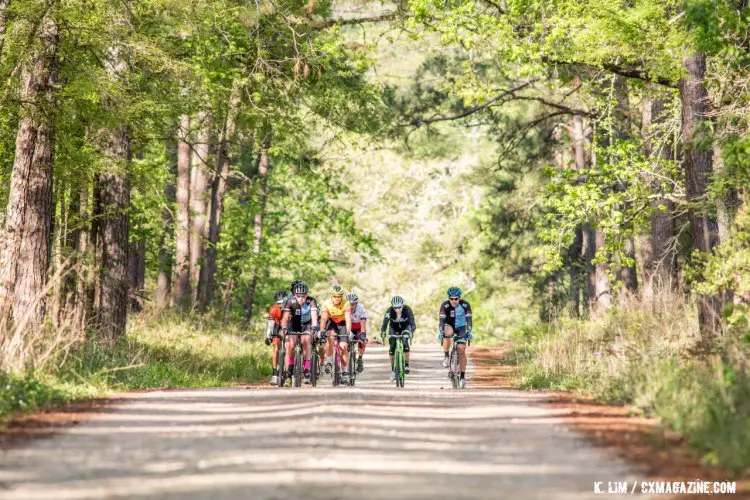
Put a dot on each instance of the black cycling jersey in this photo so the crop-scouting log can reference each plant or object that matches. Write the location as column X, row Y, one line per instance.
column 399, row 323
column 457, row 317
column 300, row 315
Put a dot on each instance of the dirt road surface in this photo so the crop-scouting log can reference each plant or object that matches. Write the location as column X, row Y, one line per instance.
column 426, row 441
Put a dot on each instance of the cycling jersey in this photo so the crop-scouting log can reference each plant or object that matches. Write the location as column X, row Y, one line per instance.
column 336, row 312
column 274, row 314
column 358, row 314
column 399, row 322
column 300, row 314
column 457, row 317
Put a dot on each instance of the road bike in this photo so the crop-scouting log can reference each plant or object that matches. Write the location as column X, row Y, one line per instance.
column 337, row 368
column 351, row 367
column 454, row 365
column 281, row 365
column 398, row 357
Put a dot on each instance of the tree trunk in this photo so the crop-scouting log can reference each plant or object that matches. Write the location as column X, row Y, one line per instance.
column 164, row 278
column 84, row 303
column 23, row 273
column 182, row 293
column 589, row 252
column 264, row 165
column 137, row 274
column 206, row 283
column 658, row 255
column 697, row 164
column 113, row 202
column 602, row 300
column 3, row 22
column 58, row 230
column 621, row 132
column 199, row 181
column 577, row 264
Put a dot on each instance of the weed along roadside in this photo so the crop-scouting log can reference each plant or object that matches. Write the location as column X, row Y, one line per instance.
column 557, row 361
column 165, row 353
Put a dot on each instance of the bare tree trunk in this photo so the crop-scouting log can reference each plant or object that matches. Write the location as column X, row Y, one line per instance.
column 698, row 166
column 621, row 132
column 206, row 283
column 658, row 254
column 113, row 202
column 182, row 293
column 602, row 300
column 199, row 181
column 136, row 274
column 3, row 21
column 84, row 304
column 264, row 165
column 23, row 273
column 164, row 278
column 576, row 256
column 58, row 230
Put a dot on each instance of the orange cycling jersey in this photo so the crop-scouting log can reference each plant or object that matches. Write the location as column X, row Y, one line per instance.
column 336, row 312
column 275, row 314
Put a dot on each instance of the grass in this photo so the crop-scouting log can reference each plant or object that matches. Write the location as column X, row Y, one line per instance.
column 645, row 357
column 168, row 351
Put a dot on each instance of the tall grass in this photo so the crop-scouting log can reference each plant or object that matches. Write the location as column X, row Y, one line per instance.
column 645, row 356
column 160, row 351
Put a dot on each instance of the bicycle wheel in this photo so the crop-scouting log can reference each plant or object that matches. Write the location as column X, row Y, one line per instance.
column 352, row 365
column 398, row 366
column 336, row 367
column 280, row 365
column 314, row 366
column 454, row 368
column 298, row 365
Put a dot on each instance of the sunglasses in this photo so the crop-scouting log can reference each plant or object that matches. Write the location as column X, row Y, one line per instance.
column 300, row 295
column 453, row 299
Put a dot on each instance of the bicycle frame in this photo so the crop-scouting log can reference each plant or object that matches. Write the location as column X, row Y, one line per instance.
column 398, row 359
column 454, row 366
column 337, row 368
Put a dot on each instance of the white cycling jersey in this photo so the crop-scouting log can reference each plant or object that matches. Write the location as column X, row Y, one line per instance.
column 358, row 314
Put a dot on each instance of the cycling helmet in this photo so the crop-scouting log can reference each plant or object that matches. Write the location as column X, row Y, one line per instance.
column 352, row 297
column 294, row 283
column 336, row 290
column 280, row 296
column 397, row 301
column 454, row 291
column 300, row 288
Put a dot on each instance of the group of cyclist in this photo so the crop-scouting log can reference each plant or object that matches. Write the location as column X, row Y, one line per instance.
column 297, row 317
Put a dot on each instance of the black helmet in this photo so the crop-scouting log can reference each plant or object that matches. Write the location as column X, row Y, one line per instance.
column 280, row 296
column 397, row 301
column 294, row 283
column 299, row 287
column 352, row 297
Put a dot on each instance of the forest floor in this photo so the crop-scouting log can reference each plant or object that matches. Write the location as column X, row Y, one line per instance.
column 636, row 438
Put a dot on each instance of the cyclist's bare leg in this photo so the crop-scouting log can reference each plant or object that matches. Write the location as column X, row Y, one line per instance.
column 362, row 348
column 306, row 351
column 447, row 338
column 276, row 343
column 291, row 345
column 462, row 356
column 329, row 344
column 344, row 353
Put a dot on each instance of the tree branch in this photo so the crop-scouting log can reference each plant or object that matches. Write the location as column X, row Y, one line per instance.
column 327, row 23
column 418, row 122
column 629, row 72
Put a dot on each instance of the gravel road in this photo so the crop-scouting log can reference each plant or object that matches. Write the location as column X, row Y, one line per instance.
column 426, row 441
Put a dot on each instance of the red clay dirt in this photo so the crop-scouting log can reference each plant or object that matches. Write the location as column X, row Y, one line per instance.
column 636, row 438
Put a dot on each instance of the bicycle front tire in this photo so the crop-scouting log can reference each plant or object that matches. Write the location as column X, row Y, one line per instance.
column 298, row 366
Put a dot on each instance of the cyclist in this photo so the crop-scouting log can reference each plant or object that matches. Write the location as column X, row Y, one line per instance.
column 336, row 319
column 401, row 320
column 300, row 317
column 359, row 327
column 455, row 319
column 273, row 332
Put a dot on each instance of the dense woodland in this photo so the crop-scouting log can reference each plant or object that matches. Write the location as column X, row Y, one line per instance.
column 574, row 158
